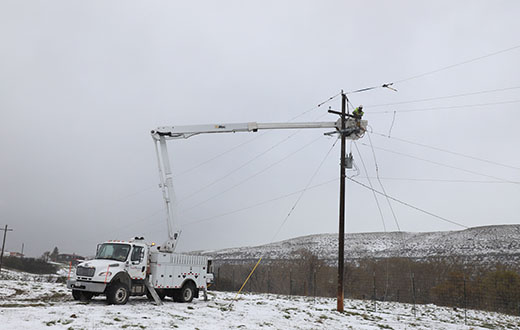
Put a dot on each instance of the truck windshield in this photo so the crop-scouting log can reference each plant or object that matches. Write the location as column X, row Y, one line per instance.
column 113, row 251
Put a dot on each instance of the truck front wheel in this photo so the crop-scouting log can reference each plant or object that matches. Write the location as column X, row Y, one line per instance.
column 118, row 294
column 187, row 292
column 82, row 295
column 76, row 294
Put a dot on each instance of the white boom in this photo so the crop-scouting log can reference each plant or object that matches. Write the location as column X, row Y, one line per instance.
column 354, row 129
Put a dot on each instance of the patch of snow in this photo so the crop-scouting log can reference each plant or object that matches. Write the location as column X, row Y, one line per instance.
column 34, row 305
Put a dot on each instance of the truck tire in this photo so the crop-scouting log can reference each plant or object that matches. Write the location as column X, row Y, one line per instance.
column 187, row 292
column 118, row 294
column 76, row 294
column 82, row 295
column 85, row 296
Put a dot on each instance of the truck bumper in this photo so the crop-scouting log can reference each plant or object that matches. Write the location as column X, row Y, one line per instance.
column 86, row 286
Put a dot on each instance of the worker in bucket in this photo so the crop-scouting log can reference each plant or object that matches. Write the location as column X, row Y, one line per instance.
column 358, row 112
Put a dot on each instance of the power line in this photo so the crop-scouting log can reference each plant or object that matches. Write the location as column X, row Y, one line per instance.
column 126, row 226
column 253, row 175
column 389, row 85
column 381, row 184
column 249, row 161
column 444, row 165
column 286, row 218
column 445, row 97
column 457, row 64
column 448, row 151
column 255, row 138
column 240, row 167
column 259, row 203
column 409, row 205
column 446, row 107
column 308, row 187
column 441, row 180
column 304, row 190
column 221, row 154
column 319, row 105
column 373, row 192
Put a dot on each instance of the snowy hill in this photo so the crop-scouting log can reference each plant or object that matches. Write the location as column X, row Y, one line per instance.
column 487, row 245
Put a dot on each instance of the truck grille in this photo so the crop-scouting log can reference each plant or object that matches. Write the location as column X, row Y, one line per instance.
column 85, row 271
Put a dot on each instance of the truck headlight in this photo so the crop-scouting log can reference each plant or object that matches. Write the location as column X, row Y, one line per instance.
column 105, row 274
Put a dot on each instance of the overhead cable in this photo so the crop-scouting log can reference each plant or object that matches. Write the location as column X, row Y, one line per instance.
column 253, row 139
column 319, row 105
column 381, row 184
column 373, row 192
column 239, row 167
column 258, row 204
column 410, row 205
column 448, row 151
column 126, row 226
column 441, row 180
column 445, row 97
column 286, row 218
column 220, row 154
column 389, row 85
column 304, row 190
column 251, row 176
column 441, row 164
column 392, row 125
column 446, row 108
column 457, row 64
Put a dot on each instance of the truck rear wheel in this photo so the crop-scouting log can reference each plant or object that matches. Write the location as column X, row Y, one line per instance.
column 187, row 292
column 118, row 294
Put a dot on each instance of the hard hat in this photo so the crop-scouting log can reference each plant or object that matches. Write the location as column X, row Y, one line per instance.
column 360, row 106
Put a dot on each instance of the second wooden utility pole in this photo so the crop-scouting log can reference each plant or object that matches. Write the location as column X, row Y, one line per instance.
column 342, row 183
column 3, row 245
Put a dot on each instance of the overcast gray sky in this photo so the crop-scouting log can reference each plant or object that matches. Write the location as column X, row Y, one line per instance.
column 82, row 83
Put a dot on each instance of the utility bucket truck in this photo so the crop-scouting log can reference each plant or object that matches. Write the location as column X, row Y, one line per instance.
column 131, row 268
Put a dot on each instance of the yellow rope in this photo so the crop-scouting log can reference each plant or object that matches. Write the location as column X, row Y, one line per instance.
column 247, row 279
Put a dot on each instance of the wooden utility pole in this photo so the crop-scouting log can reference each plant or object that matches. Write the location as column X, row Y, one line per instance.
column 342, row 183
column 3, row 245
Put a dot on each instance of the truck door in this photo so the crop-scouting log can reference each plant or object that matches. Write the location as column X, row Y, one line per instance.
column 138, row 260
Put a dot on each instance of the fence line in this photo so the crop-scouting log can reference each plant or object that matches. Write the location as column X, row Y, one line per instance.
column 441, row 283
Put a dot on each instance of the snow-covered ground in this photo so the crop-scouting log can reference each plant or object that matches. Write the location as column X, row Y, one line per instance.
column 40, row 305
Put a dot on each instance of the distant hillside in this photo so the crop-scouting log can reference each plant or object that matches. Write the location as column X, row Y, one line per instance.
column 487, row 245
